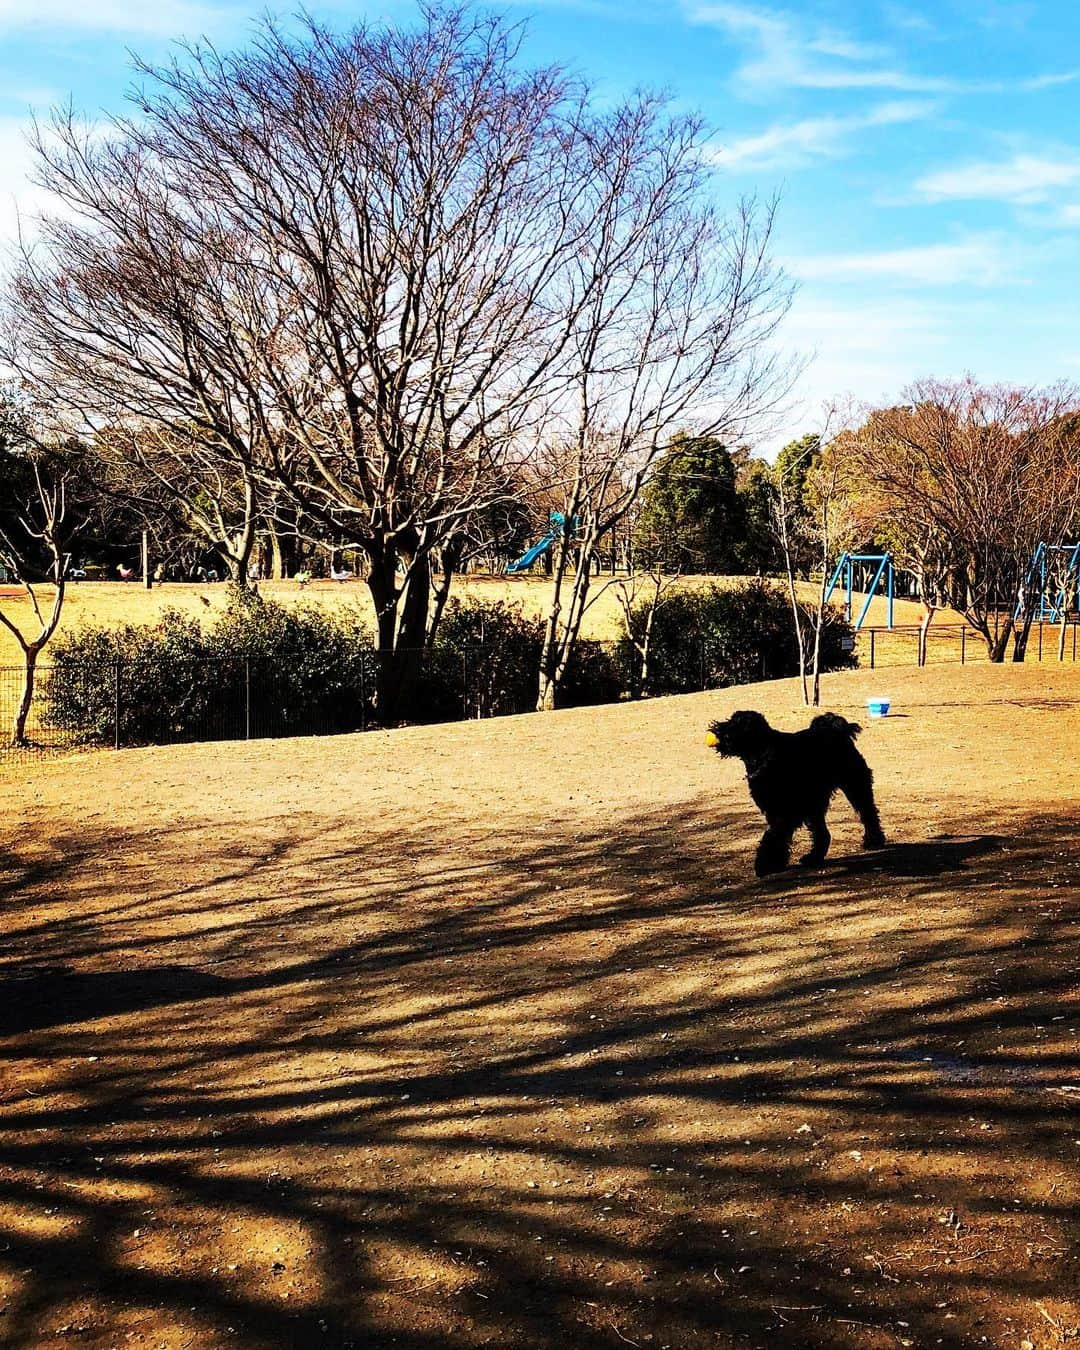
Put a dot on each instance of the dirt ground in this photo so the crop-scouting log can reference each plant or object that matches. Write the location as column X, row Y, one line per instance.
column 484, row 1034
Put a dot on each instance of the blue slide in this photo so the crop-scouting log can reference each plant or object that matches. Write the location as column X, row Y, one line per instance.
column 558, row 524
column 528, row 558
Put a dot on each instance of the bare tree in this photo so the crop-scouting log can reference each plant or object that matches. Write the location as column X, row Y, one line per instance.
column 975, row 476
column 641, row 596
column 372, row 264
column 204, row 489
column 794, row 530
column 813, row 521
column 35, row 528
column 682, row 303
column 1063, row 581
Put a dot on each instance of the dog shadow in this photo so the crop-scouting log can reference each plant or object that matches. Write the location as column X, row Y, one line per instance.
column 947, row 853
column 37, row 997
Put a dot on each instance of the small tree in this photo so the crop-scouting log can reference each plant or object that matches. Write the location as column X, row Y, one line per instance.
column 834, row 528
column 813, row 521
column 641, row 596
column 34, row 533
column 677, row 329
column 790, row 526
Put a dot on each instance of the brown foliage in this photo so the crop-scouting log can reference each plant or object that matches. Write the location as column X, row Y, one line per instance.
column 965, row 480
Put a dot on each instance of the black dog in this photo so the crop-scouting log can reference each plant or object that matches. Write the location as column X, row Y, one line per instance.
column 793, row 776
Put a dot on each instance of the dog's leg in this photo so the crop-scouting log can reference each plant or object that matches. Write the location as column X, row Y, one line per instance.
column 820, row 839
column 858, row 788
column 774, row 850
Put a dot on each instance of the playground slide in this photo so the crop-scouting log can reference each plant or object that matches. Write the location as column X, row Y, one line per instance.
column 527, row 559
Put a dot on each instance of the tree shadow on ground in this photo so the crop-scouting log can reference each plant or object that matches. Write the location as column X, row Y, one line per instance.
column 576, row 1084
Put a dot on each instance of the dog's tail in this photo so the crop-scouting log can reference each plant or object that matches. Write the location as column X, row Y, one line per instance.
column 830, row 724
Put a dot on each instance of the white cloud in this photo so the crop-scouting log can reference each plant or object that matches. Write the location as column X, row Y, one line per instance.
column 784, row 53
column 861, row 348
column 179, row 17
column 977, row 261
column 1025, row 178
column 910, row 20
column 20, row 200
column 794, row 143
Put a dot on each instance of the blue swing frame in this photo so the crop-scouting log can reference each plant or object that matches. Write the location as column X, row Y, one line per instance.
column 846, row 568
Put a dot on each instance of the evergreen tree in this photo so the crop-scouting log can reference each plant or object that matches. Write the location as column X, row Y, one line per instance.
column 690, row 517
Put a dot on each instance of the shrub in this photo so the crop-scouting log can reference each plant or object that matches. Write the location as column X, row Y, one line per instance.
column 483, row 662
column 596, row 674
column 719, row 637
column 260, row 669
column 158, row 675
column 309, row 671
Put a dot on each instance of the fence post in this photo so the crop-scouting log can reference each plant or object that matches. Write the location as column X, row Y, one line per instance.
column 701, row 654
column 116, row 704
column 873, row 635
column 247, row 698
column 1040, row 639
column 465, row 683
column 363, row 693
column 963, row 642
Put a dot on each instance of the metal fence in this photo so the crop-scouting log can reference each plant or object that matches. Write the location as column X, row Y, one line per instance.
column 241, row 698
column 120, row 703
column 957, row 643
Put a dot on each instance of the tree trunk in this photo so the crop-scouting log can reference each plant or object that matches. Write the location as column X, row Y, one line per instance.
column 276, row 567
column 558, row 559
column 243, row 545
column 1020, row 640
column 401, row 623
column 22, row 712
column 450, row 556
column 997, row 644
column 559, row 640
column 924, row 629
column 796, row 618
column 382, row 583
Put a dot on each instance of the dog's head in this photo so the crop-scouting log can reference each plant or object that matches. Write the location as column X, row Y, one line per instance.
column 743, row 735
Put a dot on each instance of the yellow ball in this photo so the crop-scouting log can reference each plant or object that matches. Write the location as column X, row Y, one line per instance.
column 710, row 740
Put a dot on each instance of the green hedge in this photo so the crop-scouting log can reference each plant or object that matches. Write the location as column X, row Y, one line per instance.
column 485, row 662
column 722, row 636
column 262, row 669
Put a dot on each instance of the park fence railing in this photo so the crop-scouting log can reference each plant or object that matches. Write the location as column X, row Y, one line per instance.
column 122, row 703
column 118, row 704
column 957, row 643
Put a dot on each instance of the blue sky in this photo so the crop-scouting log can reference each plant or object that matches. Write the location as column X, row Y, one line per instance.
column 927, row 155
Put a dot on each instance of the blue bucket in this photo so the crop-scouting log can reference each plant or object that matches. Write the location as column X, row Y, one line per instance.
column 878, row 707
